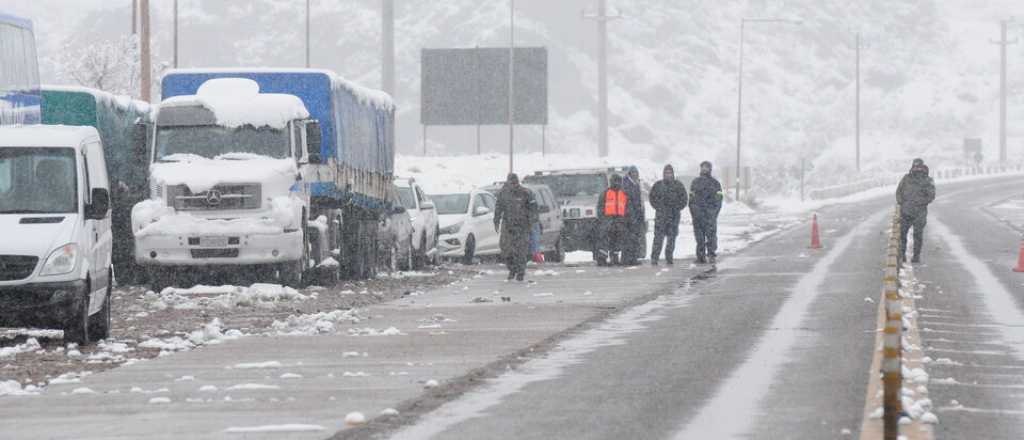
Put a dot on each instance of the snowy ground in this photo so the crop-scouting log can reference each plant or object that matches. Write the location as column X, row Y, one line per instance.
column 148, row 324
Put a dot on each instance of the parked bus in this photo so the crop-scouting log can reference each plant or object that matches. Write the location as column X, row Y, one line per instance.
column 20, row 98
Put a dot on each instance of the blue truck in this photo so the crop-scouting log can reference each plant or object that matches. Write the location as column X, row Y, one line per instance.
column 286, row 170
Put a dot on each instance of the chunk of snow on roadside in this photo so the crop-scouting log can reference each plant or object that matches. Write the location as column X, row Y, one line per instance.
column 315, row 323
column 355, row 418
column 946, row 381
column 274, row 428
column 367, row 331
column 185, row 378
column 30, row 345
column 253, row 387
column 356, row 374
column 543, row 294
column 257, row 365
column 389, row 412
column 13, row 388
column 545, row 273
column 69, row 378
column 208, row 389
column 431, row 384
column 291, row 376
column 929, row 418
column 159, row 400
column 82, row 390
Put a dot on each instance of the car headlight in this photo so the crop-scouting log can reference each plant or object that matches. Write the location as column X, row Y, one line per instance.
column 61, row 261
column 453, row 229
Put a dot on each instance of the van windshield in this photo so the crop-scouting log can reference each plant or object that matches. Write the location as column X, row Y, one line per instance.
column 38, row 181
column 212, row 141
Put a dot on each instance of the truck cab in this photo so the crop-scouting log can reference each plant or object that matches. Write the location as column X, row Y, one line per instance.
column 226, row 184
column 55, row 236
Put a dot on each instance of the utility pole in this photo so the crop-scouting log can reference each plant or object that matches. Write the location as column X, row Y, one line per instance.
column 857, row 111
column 135, row 16
column 511, row 84
column 147, row 65
column 602, row 18
column 388, row 46
column 175, row 34
column 307, row 33
column 1002, row 89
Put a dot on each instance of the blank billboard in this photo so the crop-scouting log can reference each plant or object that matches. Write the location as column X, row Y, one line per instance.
column 470, row 86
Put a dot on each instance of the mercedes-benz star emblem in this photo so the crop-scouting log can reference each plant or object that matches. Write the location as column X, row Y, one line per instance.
column 213, row 197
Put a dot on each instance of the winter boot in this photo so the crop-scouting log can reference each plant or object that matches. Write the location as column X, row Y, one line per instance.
column 654, row 261
column 519, row 276
column 916, row 259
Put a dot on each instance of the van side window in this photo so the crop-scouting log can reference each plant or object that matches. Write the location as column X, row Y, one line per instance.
column 6, row 176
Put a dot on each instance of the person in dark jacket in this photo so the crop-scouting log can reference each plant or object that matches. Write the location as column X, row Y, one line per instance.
column 613, row 221
column 668, row 197
column 636, row 225
column 514, row 216
column 915, row 192
column 705, row 203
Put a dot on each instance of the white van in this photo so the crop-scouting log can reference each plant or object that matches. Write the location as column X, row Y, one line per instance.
column 55, row 239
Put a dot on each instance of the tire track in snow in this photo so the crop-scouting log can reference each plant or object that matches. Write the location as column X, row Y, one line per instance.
column 734, row 408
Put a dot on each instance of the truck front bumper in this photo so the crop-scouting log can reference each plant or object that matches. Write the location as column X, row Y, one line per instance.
column 204, row 250
column 39, row 304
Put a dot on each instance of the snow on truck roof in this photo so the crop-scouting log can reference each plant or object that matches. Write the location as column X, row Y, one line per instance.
column 45, row 135
column 377, row 98
column 122, row 101
column 237, row 101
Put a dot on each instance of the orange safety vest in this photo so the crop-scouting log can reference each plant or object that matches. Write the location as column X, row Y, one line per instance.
column 615, row 203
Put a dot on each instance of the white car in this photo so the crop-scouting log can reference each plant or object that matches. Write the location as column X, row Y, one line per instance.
column 467, row 225
column 55, row 239
column 423, row 215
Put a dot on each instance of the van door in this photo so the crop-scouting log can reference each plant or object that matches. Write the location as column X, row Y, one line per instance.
column 98, row 238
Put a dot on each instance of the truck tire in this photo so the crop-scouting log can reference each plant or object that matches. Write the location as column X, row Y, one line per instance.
column 292, row 274
column 99, row 324
column 76, row 325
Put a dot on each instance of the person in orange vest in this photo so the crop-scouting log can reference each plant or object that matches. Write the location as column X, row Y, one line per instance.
column 612, row 214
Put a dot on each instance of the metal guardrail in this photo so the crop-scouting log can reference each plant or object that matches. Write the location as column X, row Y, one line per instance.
column 892, row 359
column 847, row 189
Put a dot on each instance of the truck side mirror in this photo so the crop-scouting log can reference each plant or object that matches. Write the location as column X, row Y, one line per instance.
column 140, row 146
column 313, row 142
column 97, row 210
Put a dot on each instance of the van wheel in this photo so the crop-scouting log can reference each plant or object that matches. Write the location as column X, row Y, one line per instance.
column 467, row 259
column 557, row 255
column 76, row 326
column 99, row 324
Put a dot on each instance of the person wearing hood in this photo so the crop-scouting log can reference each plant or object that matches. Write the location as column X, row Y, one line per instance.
column 514, row 215
column 705, row 203
column 635, row 242
column 915, row 192
column 668, row 197
column 613, row 217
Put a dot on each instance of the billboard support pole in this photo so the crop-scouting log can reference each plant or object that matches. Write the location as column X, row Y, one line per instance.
column 511, row 84
column 478, row 150
column 544, row 140
column 424, row 139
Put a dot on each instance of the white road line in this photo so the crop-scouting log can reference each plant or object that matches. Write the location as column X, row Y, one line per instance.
column 732, row 411
column 998, row 300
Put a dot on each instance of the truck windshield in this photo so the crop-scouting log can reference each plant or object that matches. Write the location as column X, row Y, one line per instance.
column 38, row 181
column 211, row 141
column 448, row 204
column 571, row 185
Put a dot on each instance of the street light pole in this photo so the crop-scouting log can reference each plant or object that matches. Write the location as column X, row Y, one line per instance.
column 857, row 109
column 307, row 33
column 175, row 34
column 511, row 84
column 739, row 94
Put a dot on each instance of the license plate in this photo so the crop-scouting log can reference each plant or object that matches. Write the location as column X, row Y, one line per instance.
column 213, row 241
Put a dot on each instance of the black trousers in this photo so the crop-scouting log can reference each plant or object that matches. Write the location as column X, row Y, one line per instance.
column 666, row 228
column 917, row 222
column 705, row 230
column 614, row 239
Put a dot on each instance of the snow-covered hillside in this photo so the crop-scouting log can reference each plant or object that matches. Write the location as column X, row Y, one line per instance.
column 929, row 74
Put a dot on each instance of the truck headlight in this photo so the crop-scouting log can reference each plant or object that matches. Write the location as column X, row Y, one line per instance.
column 453, row 229
column 61, row 261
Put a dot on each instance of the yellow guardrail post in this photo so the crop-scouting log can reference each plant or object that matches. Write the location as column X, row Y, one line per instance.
column 892, row 368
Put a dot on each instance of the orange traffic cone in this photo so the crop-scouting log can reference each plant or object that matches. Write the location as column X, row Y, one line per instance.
column 815, row 236
column 1020, row 260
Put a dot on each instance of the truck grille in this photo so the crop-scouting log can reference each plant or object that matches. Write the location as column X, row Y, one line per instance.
column 214, row 253
column 16, row 267
column 220, row 197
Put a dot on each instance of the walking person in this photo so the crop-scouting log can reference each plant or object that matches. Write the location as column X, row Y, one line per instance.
column 514, row 217
column 636, row 224
column 915, row 192
column 668, row 197
column 705, row 203
column 612, row 210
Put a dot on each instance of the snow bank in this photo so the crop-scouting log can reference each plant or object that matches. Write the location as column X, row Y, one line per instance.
column 30, row 345
column 236, row 102
column 227, row 296
column 316, row 323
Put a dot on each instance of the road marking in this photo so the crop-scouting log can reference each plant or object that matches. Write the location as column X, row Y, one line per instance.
column 734, row 408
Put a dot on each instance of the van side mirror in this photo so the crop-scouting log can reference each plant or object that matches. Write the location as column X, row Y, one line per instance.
column 313, row 142
column 97, row 210
column 140, row 144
